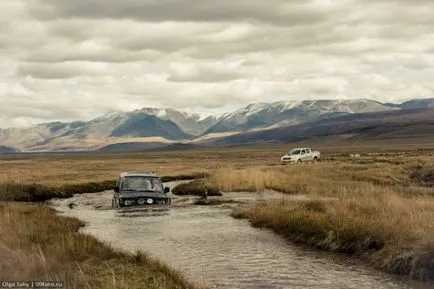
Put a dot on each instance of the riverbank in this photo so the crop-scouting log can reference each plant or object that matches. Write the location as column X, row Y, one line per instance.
column 41, row 192
column 381, row 213
column 37, row 244
column 396, row 240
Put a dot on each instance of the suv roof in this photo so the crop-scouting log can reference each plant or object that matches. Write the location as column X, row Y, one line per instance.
column 149, row 175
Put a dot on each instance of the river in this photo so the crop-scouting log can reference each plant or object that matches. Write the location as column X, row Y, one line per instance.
column 214, row 249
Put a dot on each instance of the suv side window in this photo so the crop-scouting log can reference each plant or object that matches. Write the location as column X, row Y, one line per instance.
column 308, row 151
column 303, row 152
column 120, row 183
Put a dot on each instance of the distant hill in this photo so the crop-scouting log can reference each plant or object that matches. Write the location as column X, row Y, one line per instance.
column 142, row 125
column 131, row 147
column 169, row 125
column 7, row 150
column 418, row 104
column 264, row 115
column 148, row 122
column 147, row 146
column 380, row 125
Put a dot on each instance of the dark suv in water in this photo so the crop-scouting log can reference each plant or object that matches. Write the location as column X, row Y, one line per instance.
column 139, row 189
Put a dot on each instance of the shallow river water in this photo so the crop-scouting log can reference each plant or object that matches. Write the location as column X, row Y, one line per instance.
column 213, row 249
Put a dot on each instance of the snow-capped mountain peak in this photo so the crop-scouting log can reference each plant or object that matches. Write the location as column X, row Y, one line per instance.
column 282, row 106
column 176, row 125
column 263, row 115
column 255, row 107
column 109, row 115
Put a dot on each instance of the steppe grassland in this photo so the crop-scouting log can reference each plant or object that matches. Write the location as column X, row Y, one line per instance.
column 62, row 169
column 383, row 209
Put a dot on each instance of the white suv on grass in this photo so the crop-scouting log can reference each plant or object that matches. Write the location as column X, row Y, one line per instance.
column 300, row 155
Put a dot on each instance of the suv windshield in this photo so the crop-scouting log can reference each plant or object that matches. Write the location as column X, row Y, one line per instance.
column 142, row 184
column 294, row 152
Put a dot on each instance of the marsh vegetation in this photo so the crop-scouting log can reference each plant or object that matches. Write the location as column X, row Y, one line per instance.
column 36, row 244
column 381, row 207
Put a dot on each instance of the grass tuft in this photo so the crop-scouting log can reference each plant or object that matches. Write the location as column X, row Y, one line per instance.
column 12, row 191
column 214, row 202
column 424, row 176
column 196, row 188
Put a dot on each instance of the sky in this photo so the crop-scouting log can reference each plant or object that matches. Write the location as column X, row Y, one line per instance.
column 68, row 60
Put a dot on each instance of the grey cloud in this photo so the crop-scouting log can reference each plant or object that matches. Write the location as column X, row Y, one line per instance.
column 18, row 108
column 205, row 73
column 53, row 71
column 333, row 34
column 73, row 53
column 76, row 59
column 183, row 95
column 211, row 41
column 300, row 12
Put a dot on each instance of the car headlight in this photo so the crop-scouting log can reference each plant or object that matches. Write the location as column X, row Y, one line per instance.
column 128, row 202
column 150, row 201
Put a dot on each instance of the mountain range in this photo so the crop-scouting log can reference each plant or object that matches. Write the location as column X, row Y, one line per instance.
column 389, row 125
column 153, row 128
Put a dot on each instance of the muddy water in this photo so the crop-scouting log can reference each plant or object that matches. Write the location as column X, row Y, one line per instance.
column 212, row 248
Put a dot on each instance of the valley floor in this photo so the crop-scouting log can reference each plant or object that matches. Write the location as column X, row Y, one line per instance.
column 381, row 208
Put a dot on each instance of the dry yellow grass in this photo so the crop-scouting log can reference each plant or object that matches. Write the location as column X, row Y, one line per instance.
column 328, row 178
column 392, row 232
column 380, row 212
column 35, row 244
column 74, row 169
column 380, row 209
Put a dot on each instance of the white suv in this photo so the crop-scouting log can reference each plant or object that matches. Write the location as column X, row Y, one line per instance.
column 300, row 155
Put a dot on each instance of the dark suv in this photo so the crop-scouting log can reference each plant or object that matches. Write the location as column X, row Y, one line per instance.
column 139, row 189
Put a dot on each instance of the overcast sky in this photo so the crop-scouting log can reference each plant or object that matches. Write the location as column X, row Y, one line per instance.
column 67, row 60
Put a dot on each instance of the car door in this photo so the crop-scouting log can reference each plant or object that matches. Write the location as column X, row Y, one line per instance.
column 303, row 155
column 308, row 156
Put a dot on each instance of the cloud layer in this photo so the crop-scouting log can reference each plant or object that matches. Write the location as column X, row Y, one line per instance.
column 65, row 60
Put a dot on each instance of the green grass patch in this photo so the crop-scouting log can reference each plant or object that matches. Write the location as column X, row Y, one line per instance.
column 196, row 188
column 214, row 202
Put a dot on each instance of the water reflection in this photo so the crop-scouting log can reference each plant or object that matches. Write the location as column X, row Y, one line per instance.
column 142, row 212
